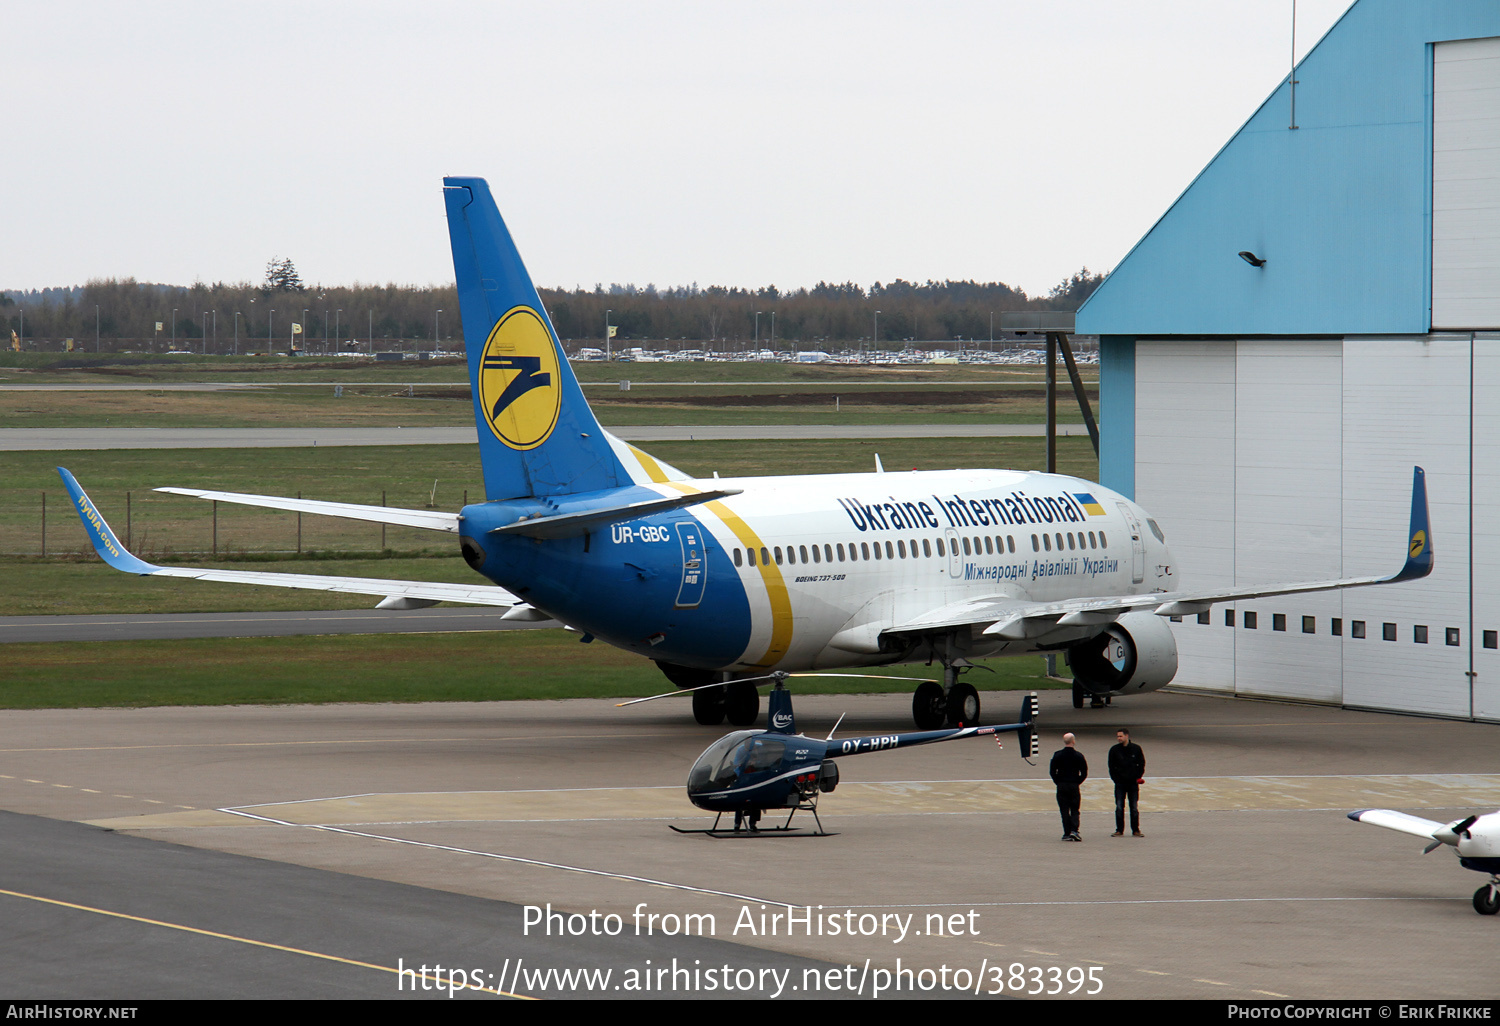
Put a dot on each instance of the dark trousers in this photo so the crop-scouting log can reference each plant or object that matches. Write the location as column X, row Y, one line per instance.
column 1067, row 803
column 1132, row 791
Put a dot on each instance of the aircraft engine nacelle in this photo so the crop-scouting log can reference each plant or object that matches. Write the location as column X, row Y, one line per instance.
column 1136, row 653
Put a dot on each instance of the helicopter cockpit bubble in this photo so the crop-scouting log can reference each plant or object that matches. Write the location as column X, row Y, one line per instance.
column 736, row 759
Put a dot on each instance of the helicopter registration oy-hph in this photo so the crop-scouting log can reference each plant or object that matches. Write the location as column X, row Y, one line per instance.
column 750, row 772
column 720, row 581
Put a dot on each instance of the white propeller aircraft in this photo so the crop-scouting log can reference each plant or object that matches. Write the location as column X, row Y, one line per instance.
column 720, row 580
column 1474, row 839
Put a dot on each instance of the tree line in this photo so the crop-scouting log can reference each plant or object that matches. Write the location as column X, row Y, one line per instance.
column 253, row 317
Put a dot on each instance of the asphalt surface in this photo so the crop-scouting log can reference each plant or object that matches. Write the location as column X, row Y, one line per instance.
column 1250, row 882
column 47, row 439
column 136, row 626
column 94, row 914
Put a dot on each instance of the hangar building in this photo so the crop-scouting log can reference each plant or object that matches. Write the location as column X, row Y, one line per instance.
column 1269, row 416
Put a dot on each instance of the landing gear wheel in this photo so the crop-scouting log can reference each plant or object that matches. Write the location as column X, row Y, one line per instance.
column 1078, row 695
column 742, row 705
column 963, row 705
column 708, row 706
column 928, row 705
column 1487, row 900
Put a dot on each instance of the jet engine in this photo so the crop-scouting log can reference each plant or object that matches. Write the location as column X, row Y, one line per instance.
column 1136, row 653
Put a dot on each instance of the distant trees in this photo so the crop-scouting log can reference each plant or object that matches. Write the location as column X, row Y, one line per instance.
column 827, row 313
column 282, row 276
column 1070, row 293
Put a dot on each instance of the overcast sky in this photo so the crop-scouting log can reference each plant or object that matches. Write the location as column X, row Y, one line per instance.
column 668, row 142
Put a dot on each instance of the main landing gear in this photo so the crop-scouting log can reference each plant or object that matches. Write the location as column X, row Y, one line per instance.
column 950, row 703
column 1080, row 694
column 737, row 702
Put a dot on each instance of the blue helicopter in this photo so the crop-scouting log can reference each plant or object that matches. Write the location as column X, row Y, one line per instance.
column 749, row 772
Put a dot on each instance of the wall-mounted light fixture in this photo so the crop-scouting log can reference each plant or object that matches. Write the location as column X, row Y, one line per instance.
column 1251, row 259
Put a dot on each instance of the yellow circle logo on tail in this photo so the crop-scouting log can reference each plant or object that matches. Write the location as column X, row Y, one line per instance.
column 1418, row 543
column 519, row 381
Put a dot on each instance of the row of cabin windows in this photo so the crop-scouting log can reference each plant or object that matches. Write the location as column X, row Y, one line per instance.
column 972, row 546
column 1357, row 628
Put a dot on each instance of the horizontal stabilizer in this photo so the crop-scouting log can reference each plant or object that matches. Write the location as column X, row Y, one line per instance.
column 569, row 525
column 426, row 519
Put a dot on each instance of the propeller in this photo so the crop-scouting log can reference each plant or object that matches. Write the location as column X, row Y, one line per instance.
column 1450, row 834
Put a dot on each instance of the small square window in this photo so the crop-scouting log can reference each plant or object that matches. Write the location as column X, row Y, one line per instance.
column 1175, row 619
column 1356, row 628
column 1309, row 625
column 1249, row 620
column 1203, row 617
column 1278, row 621
column 1336, row 626
column 1419, row 634
column 1388, row 632
column 1451, row 636
column 1229, row 618
column 1489, row 639
column 739, row 560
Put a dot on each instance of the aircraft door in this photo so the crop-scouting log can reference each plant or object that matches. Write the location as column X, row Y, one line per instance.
column 955, row 565
column 694, row 565
column 1137, row 545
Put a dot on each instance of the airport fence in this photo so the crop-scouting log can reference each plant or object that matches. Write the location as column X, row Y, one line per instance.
column 162, row 527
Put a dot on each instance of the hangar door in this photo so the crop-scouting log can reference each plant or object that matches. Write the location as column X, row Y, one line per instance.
column 1466, row 184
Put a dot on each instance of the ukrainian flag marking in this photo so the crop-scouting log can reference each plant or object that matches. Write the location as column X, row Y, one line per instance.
column 1089, row 503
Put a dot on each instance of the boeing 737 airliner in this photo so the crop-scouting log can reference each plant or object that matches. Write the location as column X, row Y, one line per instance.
column 719, row 581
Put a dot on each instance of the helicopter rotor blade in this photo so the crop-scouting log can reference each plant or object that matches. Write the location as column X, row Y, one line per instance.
column 778, row 675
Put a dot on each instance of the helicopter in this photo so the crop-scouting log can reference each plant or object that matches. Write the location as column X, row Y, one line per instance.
column 748, row 772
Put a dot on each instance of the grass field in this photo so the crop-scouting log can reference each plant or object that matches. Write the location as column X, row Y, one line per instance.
column 45, row 368
column 546, row 664
column 279, row 391
column 448, row 405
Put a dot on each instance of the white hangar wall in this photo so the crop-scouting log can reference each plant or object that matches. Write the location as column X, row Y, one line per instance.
column 1316, row 313
column 1286, row 459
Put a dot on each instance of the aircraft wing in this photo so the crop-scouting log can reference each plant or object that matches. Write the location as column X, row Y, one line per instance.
column 1401, row 821
column 1018, row 620
column 426, row 519
column 395, row 594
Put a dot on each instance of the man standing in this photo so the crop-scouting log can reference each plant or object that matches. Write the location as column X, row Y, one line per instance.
column 1069, row 770
column 1127, row 768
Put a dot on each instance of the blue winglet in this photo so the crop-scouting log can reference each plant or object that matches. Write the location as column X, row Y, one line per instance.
column 105, row 543
column 1419, row 538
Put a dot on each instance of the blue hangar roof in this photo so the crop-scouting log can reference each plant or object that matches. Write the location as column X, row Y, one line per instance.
column 1339, row 209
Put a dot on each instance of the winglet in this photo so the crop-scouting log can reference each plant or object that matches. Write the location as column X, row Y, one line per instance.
column 105, row 543
column 1419, row 538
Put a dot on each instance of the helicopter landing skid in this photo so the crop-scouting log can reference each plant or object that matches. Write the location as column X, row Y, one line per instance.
column 784, row 830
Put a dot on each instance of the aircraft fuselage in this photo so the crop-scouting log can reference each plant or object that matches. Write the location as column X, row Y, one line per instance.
column 808, row 572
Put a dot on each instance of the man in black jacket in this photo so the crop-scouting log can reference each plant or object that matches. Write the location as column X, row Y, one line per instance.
column 1127, row 768
column 1069, row 769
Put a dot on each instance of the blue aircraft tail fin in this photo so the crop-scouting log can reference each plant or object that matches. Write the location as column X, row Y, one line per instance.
column 1419, row 535
column 537, row 435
